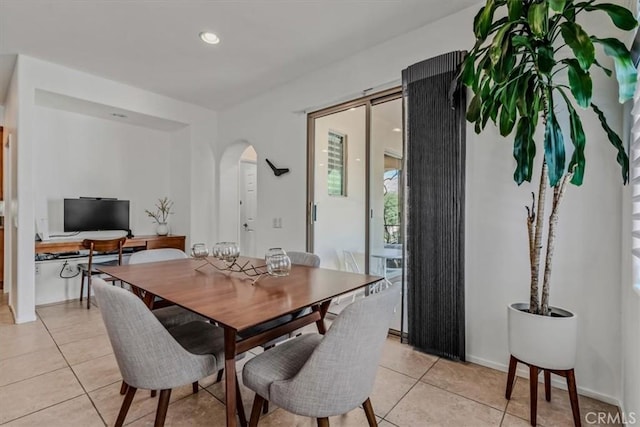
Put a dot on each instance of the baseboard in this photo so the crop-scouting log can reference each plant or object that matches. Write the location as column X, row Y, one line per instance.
column 555, row 381
column 24, row 319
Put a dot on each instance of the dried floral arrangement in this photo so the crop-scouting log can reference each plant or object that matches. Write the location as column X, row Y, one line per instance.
column 162, row 212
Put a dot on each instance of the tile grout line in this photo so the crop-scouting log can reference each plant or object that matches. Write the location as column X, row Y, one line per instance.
column 72, row 371
column 59, row 369
column 408, row 391
column 458, row 394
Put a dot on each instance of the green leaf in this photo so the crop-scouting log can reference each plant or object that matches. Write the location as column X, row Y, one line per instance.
column 621, row 157
column 469, row 77
column 626, row 73
column 537, row 19
column 570, row 12
column 577, row 163
column 508, row 113
column 578, row 40
column 515, row 9
column 482, row 21
column 473, row 112
column 499, row 44
column 553, row 146
column 545, row 58
column 580, row 82
column 621, row 16
column 503, row 68
column 557, row 5
column 536, row 108
column 507, row 121
column 519, row 41
column 524, row 151
column 525, row 88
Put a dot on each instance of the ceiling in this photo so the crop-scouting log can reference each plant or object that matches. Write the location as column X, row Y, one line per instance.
column 154, row 45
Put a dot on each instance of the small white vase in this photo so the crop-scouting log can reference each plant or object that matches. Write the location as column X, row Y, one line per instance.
column 544, row 341
column 162, row 229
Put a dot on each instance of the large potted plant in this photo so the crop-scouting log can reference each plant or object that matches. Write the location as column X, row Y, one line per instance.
column 531, row 59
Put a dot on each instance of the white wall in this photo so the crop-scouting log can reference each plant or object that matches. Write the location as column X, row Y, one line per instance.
column 79, row 155
column 9, row 145
column 587, row 267
column 630, row 318
column 191, row 164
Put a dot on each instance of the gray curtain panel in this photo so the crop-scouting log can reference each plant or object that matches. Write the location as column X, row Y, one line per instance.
column 435, row 164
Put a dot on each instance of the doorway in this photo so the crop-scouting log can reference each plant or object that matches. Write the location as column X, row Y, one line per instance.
column 248, row 191
column 237, row 196
column 355, row 189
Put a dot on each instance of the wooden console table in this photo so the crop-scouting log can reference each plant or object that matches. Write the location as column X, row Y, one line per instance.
column 137, row 242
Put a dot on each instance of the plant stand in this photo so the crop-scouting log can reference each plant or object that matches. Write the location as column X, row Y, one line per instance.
column 533, row 388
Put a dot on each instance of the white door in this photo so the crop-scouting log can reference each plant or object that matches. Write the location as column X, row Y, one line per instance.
column 248, row 208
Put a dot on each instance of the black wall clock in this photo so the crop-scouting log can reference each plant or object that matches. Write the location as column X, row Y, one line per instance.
column 277, row 171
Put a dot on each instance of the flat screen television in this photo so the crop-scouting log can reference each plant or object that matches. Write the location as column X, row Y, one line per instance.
column 94, row 214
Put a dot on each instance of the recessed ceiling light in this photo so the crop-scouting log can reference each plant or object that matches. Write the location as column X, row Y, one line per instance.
column 119, row 115
column 396, row 130
column 210, row 38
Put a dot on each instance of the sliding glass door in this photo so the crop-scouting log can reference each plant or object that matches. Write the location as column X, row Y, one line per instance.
column 339, row 182
column 355, row 189
column 385, row 193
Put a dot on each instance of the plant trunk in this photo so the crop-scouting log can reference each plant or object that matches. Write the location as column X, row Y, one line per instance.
column 558, row 193
column 535, row 248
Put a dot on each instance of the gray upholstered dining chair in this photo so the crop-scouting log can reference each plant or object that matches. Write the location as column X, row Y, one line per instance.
column 174, row 315
column 152, row 357
column 304, row 258
column 322, row 376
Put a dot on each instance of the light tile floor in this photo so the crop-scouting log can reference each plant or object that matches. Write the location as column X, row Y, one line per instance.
column 60, row 371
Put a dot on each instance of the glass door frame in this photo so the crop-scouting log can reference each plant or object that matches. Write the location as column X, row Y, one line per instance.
column 366, row 101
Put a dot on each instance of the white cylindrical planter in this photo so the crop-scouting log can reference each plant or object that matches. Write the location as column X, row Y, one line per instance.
column 547, row 342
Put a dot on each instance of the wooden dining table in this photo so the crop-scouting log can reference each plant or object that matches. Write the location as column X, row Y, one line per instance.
column 236, row 303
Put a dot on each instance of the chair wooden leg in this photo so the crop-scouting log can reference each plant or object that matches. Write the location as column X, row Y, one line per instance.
column 533, row 391
column 240, row 405
column 154, row 393
column 513, row 363
column 123, row 387
column 323, row 422
column 89, row 292
column 163, row 405
column 265, row 407
column 368, row 410
column 547, row 385
column 258, row 401
column 195, row 387
column 126, row 403
column 220, row 374
column 81, row 285
column 573, row 396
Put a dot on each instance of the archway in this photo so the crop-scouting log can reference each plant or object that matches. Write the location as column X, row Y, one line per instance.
column 238, row 195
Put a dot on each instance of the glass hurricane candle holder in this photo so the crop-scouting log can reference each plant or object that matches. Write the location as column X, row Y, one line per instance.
column 278, row 262
column 226, row 251
column 199, row 250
